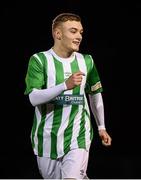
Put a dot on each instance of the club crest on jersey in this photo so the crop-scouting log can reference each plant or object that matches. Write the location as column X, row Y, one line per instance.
column 67, row 75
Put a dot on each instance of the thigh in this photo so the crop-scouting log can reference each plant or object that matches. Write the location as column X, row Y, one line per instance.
column 74, row 164
column 48, row 168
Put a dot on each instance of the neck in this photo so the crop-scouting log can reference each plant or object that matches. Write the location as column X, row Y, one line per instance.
column 61, row 52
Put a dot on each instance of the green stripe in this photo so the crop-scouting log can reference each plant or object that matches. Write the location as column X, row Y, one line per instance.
column 41, row 129
column 33, row 130
column 91, row 132
column 88, row 63
column 43, row 59
column 74, row 69
column 58, row 109
column 74, row 111
column 44, row 62
column 81, row 137
column 89, row 66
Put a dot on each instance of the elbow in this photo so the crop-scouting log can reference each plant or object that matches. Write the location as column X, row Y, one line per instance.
column 32, row 102
column 32, row 99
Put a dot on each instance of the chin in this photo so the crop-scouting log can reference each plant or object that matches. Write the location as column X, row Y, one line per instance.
column 76, row 49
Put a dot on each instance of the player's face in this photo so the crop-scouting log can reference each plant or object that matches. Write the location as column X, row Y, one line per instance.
column 71, row 35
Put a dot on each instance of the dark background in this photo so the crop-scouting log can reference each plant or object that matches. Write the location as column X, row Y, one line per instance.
column 112, row 35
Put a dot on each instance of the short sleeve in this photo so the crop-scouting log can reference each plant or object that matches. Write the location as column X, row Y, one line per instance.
column 35, row 75
column 93, row 84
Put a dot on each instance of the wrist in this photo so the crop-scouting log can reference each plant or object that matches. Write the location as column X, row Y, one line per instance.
column 101, row 127
column 65, row 86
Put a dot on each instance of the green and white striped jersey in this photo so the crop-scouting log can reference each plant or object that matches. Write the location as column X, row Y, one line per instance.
column 60, row 127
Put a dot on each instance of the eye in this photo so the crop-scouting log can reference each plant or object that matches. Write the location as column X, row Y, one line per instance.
column 73, row 31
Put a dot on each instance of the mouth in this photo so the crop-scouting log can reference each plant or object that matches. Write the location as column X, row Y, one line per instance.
column 77, row 43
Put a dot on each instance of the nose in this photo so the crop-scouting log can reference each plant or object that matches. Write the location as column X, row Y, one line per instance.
column 79, row 37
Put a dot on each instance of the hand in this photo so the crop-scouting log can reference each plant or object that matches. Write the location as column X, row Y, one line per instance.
column 74, row 80
column 106, row 139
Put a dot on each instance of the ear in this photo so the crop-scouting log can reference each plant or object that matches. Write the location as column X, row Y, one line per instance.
column 58, row 33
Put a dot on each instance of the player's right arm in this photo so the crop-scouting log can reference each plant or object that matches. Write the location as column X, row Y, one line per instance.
column 40, row 96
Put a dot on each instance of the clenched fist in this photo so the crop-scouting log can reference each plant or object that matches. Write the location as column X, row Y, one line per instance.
column 105, row 137
column 74, row 80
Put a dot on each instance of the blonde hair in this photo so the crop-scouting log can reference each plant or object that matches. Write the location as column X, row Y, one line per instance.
column 63, row 17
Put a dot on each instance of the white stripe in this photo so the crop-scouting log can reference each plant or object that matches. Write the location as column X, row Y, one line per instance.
column 51, row 80
column 37, row 57
column 65, row 114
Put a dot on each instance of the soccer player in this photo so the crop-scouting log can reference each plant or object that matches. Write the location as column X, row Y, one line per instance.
column 57, row 81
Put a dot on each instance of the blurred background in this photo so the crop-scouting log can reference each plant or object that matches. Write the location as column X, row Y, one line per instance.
column 112, row 35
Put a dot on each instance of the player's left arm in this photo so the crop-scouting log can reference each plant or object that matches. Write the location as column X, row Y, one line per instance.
column 97, row 107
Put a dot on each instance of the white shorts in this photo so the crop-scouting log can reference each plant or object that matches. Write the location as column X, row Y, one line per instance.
column 72, row 165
